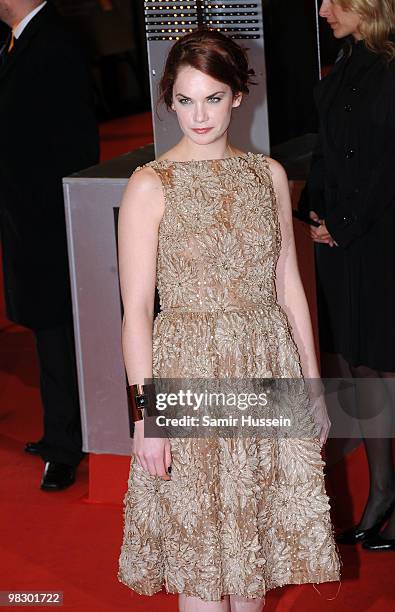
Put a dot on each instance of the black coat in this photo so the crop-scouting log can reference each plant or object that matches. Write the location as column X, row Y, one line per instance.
column 352, row 186
column 48, row 130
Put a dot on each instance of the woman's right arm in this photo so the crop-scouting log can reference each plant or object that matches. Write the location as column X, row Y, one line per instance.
column 140, row 214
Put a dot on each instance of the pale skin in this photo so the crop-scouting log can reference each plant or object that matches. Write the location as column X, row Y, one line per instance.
column 199, row 102
column 343, row 23
column 13, row 11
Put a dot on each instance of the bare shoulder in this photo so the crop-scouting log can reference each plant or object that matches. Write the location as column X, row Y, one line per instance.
column 280, row 179
column 144, row 179
column 144, row 192
column 281, row 187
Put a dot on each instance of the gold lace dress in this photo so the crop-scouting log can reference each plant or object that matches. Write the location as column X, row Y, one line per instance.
column 239, row 515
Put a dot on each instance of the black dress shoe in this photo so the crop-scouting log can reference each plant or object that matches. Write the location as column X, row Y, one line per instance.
column 57, row 476
column 379, row 543
column 354, row 535
column 33, row 447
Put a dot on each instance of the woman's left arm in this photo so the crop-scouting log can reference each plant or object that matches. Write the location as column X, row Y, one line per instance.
column 292, row 298
column 290, row 292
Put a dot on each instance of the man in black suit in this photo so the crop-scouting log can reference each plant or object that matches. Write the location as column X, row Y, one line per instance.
column 48, row 130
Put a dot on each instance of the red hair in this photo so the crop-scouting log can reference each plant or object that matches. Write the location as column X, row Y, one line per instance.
column 211, row 52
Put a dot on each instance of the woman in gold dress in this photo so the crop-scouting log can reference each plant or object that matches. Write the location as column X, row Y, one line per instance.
column 211, row 226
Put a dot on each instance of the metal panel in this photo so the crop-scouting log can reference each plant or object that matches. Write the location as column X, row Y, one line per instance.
column 91, row 201
column 167, row 21
column 97, row 311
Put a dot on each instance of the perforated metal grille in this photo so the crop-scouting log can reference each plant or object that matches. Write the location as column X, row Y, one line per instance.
column 169, row 20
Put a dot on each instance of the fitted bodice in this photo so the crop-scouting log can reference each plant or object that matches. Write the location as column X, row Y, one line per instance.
column 219, row 237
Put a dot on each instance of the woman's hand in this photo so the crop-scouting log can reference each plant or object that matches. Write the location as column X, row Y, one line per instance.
column 320, row 416
column 152, row 454
column 320, row 234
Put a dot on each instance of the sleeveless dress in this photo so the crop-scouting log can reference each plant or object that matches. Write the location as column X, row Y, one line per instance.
column 239, row 515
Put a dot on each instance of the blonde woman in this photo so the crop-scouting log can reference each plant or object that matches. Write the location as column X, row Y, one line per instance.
column 351, row 192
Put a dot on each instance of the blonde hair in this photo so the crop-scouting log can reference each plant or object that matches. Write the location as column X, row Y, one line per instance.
column 377, row 23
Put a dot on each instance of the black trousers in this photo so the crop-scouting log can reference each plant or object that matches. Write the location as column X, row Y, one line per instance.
column 62, row 439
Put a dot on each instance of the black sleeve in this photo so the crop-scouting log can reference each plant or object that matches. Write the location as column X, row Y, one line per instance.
column 312, row 196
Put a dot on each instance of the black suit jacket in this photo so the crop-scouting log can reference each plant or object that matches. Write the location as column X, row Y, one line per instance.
column 48, row 130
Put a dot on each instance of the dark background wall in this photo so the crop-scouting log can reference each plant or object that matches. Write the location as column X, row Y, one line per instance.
column 292, row 63
column 113, row 34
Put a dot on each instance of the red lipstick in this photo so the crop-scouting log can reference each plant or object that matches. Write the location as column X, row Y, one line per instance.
column 201, row 130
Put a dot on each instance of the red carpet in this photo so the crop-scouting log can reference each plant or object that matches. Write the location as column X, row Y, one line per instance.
column 122, row 135
column 61, row 541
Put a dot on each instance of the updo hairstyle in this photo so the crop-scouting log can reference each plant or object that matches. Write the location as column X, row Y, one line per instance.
column 214, row 54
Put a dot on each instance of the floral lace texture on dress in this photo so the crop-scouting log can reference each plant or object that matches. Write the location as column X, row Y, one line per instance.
column 242, row 515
